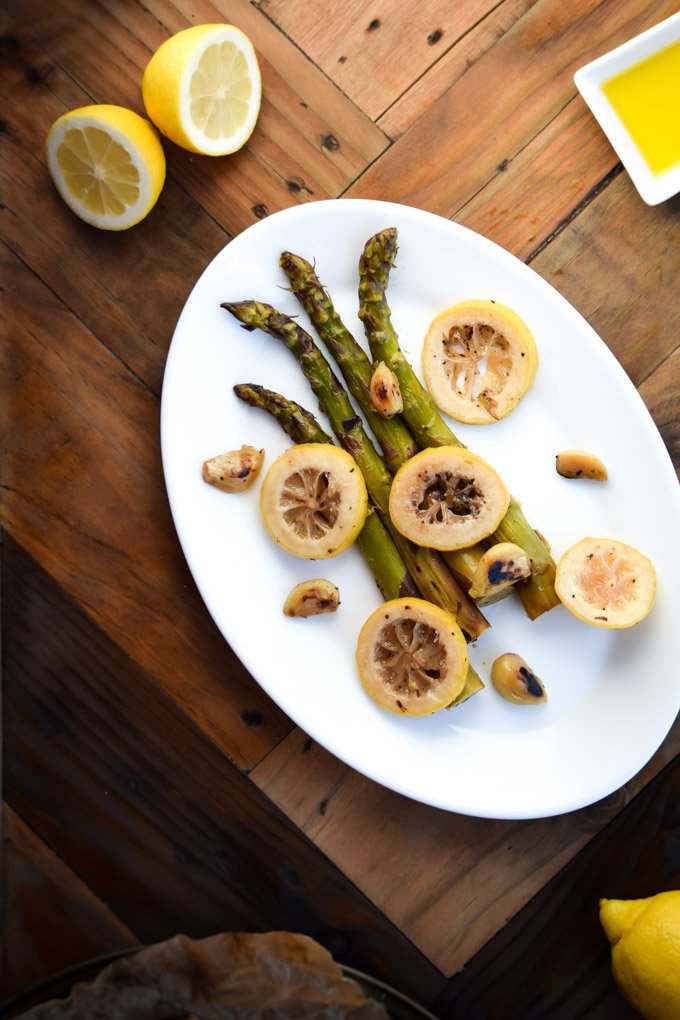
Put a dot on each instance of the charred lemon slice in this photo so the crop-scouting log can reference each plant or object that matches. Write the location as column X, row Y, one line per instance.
column 412, row 657
column 606, row 583
column 313, row 500
column 447, row 498
column 479, row 359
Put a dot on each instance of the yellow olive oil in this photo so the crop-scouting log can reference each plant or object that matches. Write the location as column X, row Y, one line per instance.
column 646, row 98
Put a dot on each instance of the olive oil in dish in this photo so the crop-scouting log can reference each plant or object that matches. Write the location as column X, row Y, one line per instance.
column 646, row 98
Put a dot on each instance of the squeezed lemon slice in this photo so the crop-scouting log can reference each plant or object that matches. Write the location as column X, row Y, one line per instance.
column 107, row 164
column 313, row 500
column 447, row 498
column 412, row 657
column 202, row 89
column 479, row 359
column 606, row 583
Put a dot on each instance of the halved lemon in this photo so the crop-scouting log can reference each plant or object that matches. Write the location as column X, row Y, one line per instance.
column 479, row 359
column 202, row 89
column 447, row 498
column 606, row 583
column 412, row 657
column 313, row 500
column 107, row 164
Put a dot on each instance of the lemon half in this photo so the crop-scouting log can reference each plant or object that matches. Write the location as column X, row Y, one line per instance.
column 645, row 940
column 107, row 164
column 202, row 89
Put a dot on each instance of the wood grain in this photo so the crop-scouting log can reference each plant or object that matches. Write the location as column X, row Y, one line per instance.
column 51, row 919
column 632, row 270
column 500, row 102
column 85, row 496
column 454, row 904
column 375, row 53
column 553, row 960
column 148, row 812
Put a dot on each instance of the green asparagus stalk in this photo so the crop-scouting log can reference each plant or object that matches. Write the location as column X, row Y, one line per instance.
column 375, row 543
column 392, row 434
column 426, row 424
column 396, row 442
column 427, row 568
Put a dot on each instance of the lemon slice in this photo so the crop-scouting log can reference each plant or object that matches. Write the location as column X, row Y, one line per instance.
column 202, row 89
column 606, row 583
column 313, row 500
column 479, row 359
column 412, row 657
column 107, row 164
column 447, row 498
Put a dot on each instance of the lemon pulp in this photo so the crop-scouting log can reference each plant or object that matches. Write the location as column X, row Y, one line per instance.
column 98, row 171
column 220, row 91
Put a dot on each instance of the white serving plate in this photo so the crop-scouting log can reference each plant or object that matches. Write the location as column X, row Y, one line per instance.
column 653, row 188
column 612, row 695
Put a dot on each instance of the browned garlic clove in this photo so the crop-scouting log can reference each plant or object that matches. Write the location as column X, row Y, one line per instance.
column 233, row 471
column 498, row 571
column 386, row 397
column 580, row 464
column 310, row 598
column 515, row 682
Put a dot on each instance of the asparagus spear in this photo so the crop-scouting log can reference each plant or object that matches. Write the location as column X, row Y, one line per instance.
column 374, row 541
column 395, row 440
column 393, row 435
column 426, row 567
column 428, row 427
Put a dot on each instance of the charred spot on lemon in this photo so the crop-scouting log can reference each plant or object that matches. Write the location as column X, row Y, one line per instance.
column 107, row 164
column 447, row 498
column 412, row 657
column 313, row 500
column 202, row 89
column 606, row 583
column 479, row 359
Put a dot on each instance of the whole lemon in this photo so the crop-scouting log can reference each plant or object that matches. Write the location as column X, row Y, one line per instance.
column 645, row 939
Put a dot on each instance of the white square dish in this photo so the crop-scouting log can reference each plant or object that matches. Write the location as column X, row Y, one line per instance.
column 653, row 186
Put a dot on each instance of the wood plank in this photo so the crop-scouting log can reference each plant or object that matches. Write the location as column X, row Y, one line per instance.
column 150, row 814
column 449, row 882
column 537, row 191
column 615, row 278
column 498, row 104
column 126, row 287
column 553, row 960
column 50, row 919
column 374, row 53
column 84, row 495
column 660, row 393
column 309, row 143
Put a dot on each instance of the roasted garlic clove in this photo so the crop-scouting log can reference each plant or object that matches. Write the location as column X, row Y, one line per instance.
column 515, row 682
column 580, row 464
column 386, row 397
column 309, row 598
column 233, row 471
column 497, row 573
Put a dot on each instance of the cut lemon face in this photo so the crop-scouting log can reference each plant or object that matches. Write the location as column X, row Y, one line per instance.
column 107, row 164
column 412, row 657
column 202, row 89
column 447, row 498
column 479, row 359
column 313, row 500
column 606, row 583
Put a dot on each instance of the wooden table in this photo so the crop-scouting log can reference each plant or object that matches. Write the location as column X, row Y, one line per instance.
column 150, row 786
